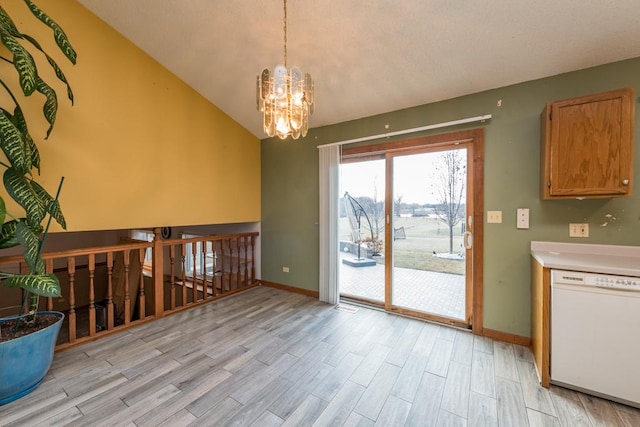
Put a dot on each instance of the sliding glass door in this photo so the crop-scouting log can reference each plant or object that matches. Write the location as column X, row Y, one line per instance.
column 409, row 214
column 361, row 228
column 429, row 212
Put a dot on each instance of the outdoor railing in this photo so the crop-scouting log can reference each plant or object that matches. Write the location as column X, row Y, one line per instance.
column 109, row 288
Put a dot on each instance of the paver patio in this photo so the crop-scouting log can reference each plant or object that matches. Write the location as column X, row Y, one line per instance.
column 427, row 291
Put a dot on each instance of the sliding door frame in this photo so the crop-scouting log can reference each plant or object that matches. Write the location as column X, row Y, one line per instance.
column 473, row 140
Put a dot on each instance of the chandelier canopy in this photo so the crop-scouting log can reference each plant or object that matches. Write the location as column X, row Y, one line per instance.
column 285, row 97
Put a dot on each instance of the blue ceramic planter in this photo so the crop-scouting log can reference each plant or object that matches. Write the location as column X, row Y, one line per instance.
column 24, row 361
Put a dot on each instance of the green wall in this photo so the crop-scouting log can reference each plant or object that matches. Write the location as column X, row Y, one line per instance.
column 512, row 149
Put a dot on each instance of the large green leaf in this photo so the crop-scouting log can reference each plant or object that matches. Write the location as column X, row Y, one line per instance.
column 22, row 61
column 53, row 64
column 30, row 146
column 20, row 189
column 8, row 237
column 3, row 210
column 31, row 244
column 13, row 144
column 58, row 33
column 51, row 205
column 46, row 285
column 50, row 107
column 7, row 23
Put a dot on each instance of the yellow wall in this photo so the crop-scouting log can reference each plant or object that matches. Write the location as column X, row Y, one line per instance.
column 140, row 148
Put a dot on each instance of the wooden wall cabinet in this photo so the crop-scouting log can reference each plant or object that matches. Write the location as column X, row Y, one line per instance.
column 587, row 146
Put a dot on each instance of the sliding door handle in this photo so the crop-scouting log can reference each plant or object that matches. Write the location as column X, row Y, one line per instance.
column 467, row 240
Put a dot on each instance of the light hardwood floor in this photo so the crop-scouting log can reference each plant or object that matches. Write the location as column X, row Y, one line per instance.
column 267, row 357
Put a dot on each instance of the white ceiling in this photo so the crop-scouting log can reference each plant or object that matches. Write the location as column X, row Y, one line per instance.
column 369, row 57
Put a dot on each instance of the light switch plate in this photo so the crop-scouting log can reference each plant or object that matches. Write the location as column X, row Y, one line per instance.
column 494, row 217
column 522, row 218
column 579, row 230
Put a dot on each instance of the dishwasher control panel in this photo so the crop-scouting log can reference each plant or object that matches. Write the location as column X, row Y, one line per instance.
column 608, row 281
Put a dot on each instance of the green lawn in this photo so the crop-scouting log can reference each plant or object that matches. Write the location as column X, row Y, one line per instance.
column 424, row 236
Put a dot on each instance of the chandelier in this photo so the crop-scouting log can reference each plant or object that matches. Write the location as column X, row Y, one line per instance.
column 285, row 97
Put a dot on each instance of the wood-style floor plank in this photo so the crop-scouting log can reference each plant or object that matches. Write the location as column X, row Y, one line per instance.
column 483, row 411
column 440, row 357
column 340, row 407
column 512, row 410
column 462, row 347
column 374, row 397
column 505, row 361
column 428, row 397
column 535, row 397
column 483, row 379
column 455, row 398
column 568, row 407
column 394, row 412
column 600, row 412
column 307, row 412
column 409, row 379
column 403, row 348
column 370, row 365
column 332, row 383
column 267, row 357
column 541, row 419
column 267, row 419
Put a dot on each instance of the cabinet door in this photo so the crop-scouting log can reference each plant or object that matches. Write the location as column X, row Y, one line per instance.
column 588, row 146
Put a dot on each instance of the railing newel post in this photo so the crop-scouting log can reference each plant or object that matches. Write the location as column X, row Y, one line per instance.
column 158, row 274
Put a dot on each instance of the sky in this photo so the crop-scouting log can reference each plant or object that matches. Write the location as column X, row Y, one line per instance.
column 412, row 175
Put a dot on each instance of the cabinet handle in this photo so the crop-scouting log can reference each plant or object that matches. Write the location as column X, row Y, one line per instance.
column 625, row 182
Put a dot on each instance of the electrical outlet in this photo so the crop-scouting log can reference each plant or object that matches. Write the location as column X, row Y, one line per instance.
column 522, row 218
column 578, row 230
column 494, row 217
column 285, row 269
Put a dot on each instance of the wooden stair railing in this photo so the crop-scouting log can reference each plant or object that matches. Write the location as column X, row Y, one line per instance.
column 219, row 266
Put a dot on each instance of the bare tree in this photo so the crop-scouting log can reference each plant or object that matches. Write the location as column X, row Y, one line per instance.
column 451, row 178
column 397, row 204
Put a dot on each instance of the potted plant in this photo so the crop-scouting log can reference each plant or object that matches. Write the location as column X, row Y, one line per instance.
column 27, row 355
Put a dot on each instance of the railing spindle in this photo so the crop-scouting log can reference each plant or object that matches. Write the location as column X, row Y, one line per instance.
column 184, row 275
column 141, row 297
column 194, row 288
column 253, row 259
column 238, row 263
column 127, row 301
column 110, row 315
column 172, row 277
column 232, row 265
column 233, row 260
column 223, row 263
column 214, row 279
column 71, row 271
column 203, row 258
column 245, row 241
column 92, row 295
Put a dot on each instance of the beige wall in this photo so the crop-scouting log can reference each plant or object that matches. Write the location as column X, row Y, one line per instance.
column 140, row 148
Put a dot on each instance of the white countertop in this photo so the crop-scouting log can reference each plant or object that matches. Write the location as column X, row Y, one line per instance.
column 606, row 259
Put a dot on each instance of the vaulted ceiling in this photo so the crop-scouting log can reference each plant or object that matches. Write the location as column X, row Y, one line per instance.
column 370, row 57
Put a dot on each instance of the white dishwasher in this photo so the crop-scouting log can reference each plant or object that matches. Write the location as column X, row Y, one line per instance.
column 595, row 334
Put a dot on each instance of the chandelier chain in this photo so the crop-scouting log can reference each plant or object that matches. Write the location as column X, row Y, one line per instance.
column 285, row 33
